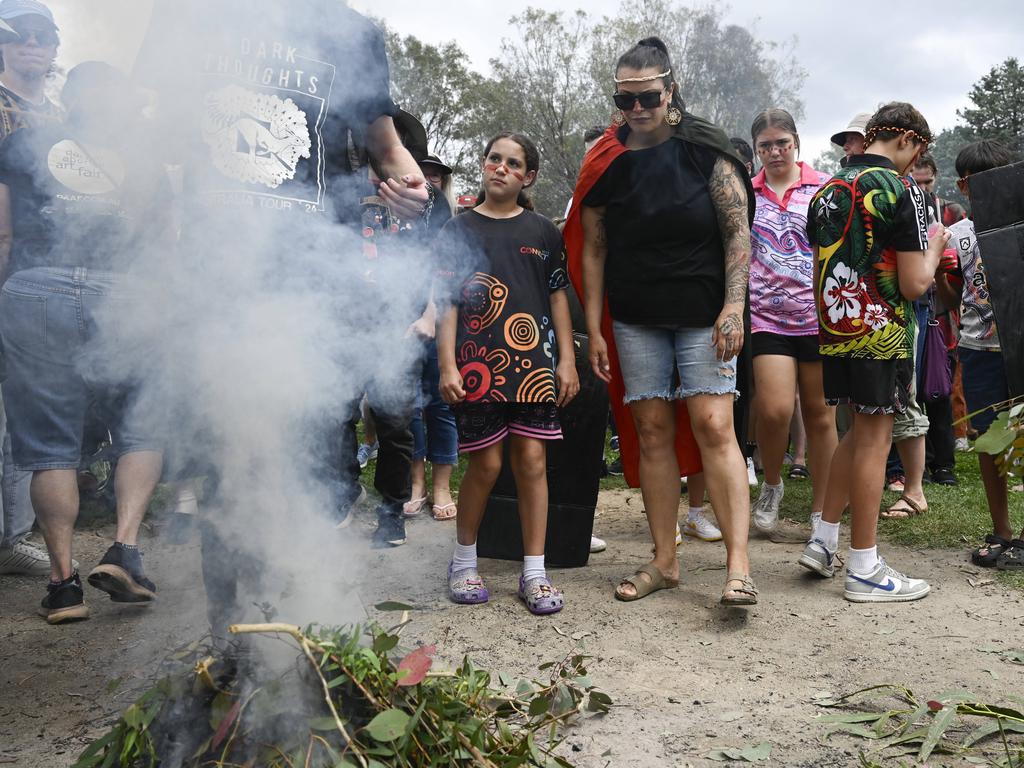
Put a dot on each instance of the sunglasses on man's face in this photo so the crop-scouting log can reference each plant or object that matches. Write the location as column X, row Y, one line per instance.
column 44, row 36
column 647, row 99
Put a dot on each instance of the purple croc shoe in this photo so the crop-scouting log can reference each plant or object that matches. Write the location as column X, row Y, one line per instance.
column 540, row 596
column 466, row 586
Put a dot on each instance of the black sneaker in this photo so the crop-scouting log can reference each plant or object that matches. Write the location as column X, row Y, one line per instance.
column 120, row 574
column 390, row 530
column 944, row 477
column 64, row 601
column 615, row 468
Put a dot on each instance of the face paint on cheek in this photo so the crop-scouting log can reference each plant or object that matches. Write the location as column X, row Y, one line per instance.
column 492, row 167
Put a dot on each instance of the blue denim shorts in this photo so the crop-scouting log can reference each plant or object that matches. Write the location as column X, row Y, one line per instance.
column 652, row 357
column 984, row 385
column 48, row 317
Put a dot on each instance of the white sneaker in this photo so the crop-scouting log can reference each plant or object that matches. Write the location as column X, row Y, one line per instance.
column 751, row 472
column 26, row 559
column 679, row 535
column 702, row 528
column 884, row 585
column 597, row 545
column 766, row 508
column 963, row 445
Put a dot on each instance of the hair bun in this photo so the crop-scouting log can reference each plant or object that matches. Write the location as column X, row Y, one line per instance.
column 654, row 42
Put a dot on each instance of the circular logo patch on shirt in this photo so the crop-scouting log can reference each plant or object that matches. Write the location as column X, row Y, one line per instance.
column 93, row 172
column 255, row 138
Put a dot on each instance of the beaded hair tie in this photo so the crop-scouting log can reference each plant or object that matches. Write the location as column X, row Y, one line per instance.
column 871, row 133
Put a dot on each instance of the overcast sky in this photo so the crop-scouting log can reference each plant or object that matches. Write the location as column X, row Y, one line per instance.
column 927, row 53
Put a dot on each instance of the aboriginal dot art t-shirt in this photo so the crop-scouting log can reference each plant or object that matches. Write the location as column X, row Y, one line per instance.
column 500, row 273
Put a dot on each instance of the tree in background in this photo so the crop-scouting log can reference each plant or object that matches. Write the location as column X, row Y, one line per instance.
column 997, row 113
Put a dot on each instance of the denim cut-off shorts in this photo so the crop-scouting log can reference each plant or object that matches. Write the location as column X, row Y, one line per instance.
column 48, row 317
column 651, row 356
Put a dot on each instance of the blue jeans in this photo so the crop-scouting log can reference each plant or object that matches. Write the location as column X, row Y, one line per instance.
column 651, row 357
column 435, row 436
column 17, row 514
column 55, row 367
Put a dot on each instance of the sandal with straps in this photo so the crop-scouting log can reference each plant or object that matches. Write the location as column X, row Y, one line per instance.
column 744, row 594
column 988, row 554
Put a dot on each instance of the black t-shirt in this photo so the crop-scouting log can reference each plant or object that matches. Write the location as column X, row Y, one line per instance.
column 79, row 203
column 501, row 274
column 268, row 103
column 666, row 261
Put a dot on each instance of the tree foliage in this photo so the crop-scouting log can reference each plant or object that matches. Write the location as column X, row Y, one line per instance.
column 998, row 111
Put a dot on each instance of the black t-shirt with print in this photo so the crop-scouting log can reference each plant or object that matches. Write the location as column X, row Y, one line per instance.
column 666, row 261
column 17, row 112
column 79, row 203
column 267, row 104
column 501, row 274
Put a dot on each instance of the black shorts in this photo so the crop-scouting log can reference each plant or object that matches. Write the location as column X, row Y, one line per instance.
column 483, row 424
column 803, row 348
column 867, row 386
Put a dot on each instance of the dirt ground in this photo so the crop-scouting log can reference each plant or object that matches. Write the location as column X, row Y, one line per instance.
column 686, row 675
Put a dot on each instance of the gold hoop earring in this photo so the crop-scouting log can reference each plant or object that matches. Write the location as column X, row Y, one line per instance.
column 618, row 118
column 673, row 116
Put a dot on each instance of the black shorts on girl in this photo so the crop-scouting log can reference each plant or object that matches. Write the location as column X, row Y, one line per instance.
column 867, row 386
column 804, row 349
column 484, row 424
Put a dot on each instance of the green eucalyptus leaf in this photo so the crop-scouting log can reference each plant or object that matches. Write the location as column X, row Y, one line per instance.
column 389, row 725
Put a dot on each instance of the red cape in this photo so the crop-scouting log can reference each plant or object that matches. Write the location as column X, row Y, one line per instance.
column 687, row 453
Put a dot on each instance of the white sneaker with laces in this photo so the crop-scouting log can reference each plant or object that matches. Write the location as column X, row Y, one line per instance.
column 751, row 472
column 26, row 559
column 884, row 585
column 702, row 528
column 766, row 508
column 598, row 545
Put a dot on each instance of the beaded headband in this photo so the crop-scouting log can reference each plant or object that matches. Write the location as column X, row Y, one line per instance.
column 871, row 133
column 647, row 79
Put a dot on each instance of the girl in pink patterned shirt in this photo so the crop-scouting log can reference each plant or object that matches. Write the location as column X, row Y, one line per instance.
column 783, row 319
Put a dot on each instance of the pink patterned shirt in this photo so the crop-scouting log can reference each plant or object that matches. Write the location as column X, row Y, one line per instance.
column 782, row 260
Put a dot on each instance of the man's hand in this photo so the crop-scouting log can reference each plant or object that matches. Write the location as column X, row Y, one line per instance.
column 727, row 335
column 568, row 381
column 406, row 198
column 452, row 391
column 599, row 357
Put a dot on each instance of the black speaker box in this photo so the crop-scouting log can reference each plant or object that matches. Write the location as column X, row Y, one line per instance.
column 575, row 466
column 997, row 205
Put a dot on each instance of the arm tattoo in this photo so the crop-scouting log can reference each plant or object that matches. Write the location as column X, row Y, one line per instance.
column 602, row 235
column 730, row 199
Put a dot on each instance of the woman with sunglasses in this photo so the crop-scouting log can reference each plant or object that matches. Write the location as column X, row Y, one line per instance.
column 783, row 320
column 663, row 229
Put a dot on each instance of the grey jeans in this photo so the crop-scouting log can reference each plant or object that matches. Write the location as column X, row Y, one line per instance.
column 16, row 515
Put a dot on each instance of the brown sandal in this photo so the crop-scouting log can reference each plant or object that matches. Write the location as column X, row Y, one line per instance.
column 655, row 580
column 744, row 594
column 910, row 508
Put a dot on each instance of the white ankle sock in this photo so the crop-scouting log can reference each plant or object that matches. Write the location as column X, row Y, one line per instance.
column 694, row 513
column 863, row 561
column 464, row 557
column 766, row 484
column 829, row 533
column 533, row 567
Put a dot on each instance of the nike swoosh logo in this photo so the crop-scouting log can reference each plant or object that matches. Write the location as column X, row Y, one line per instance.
column 889, row 585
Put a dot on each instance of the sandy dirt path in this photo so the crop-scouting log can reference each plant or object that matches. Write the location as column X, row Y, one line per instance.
column 686, row 675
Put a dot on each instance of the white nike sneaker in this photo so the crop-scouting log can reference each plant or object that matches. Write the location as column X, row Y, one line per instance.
column 702, row 528
column 766, row 508
column 884, row 585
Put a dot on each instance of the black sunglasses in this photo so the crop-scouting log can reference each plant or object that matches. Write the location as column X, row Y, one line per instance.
column 647, row 99
column 44, row 36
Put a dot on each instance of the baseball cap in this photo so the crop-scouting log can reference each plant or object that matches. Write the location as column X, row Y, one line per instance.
column 858, row 124
column 13, row 9
column 7, row 35
column 436, row 162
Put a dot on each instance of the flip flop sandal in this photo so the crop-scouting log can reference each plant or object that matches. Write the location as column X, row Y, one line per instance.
column 466, row 587
column 798, row 472
column 744, row 594
column 988, row 554
column 1012, row 558
column 655, row 580
column 910, row 508
column 445, row 511
column 413, row 507
column 540, row 596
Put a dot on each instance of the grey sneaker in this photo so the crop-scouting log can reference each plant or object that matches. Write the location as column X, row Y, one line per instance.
column 885, row 585
column 766, row 508
column 26, row 559
column 366, row 454
column 818, row 558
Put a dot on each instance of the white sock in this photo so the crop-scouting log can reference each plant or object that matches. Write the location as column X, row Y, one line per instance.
column 828, row 533
column 533, row 567
column 694, row 513
column 766, row 484
column 863, row 561
column 815, row 519
column 464, row 557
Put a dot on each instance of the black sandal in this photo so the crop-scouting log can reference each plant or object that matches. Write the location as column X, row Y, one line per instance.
column 987, row 554
column 798, row 472
column 1012, row 558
